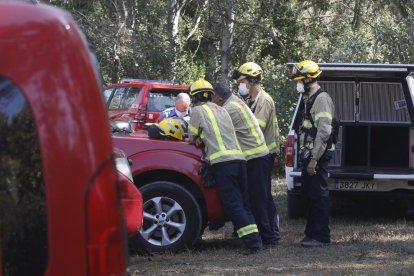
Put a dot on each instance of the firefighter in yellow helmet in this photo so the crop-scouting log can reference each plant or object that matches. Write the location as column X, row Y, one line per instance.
column 248, row 77
column 306, row 73
column 316, row 151
column 212, row 125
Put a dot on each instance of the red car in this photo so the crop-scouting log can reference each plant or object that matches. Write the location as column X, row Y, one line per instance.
column 177, row 206
column 139, row 101
column 60, row 192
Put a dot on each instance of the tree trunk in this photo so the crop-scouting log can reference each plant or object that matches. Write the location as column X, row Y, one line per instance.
column 173, row 21
column 211, row 45
column 227, row 40
column 115, row 66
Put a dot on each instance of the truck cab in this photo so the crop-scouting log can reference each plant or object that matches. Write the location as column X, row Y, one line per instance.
column 374, row 155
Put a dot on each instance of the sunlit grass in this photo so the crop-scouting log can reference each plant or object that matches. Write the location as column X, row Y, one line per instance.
column 373, row 244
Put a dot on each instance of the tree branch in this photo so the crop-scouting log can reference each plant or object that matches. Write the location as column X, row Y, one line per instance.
column 271, row 31
column 198, row 20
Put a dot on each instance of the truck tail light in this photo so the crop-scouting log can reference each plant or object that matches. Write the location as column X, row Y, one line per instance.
column 140, row 117
column 142, row 107
column 290, row 151
column 105, row 227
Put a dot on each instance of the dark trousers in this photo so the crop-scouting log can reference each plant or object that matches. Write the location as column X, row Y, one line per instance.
column 273, row 214
column 316, row 196
column 260, row 199
column 231, row 181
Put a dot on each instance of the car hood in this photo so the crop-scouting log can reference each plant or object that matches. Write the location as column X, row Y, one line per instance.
column 139, row 141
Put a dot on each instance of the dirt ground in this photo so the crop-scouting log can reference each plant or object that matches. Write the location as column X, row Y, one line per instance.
column 368, row 238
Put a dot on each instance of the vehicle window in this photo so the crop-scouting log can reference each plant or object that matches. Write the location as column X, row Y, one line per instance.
column 382, row 102
column 107, row 94
column 23, row 222
column 117, row 98
column 130, row 97
column 343, row 96
column 160, row 100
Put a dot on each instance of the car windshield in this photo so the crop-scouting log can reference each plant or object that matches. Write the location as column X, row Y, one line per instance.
column 161, row 100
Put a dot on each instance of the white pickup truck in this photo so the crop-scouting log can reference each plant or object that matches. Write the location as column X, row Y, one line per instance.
column 374, row 155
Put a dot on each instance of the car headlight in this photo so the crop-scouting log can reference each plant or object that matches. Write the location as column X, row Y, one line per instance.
column 122, row 163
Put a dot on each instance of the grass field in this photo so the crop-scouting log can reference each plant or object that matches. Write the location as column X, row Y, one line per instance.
column 370, row 238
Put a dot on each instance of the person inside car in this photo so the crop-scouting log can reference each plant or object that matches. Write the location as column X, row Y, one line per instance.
column 182, row 108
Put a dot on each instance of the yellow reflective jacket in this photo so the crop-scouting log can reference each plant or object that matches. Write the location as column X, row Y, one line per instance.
column 248, row 132
column 265, row 112
column 213, row 125
column 322, row 112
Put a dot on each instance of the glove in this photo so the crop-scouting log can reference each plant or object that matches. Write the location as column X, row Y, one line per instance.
column 206, row 173
column 311, row 169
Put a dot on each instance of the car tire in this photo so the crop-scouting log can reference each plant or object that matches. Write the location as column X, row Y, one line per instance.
column 295, row 205
column 172, row 219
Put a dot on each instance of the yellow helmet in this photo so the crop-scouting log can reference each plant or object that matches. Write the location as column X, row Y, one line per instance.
column 305, row 69
column 248, row 69
column 172, row 128
column 201, row 86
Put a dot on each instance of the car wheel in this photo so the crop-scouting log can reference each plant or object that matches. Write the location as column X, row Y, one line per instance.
column 295, row 205
column 172, row 219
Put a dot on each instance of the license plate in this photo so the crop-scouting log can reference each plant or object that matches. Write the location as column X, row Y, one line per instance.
column 355, row 185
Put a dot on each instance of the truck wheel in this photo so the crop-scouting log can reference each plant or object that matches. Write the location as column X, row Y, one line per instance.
column 295, row 205
column 172, row 219
column 409, row 209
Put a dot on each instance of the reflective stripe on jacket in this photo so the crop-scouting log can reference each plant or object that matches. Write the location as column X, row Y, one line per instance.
column 213, row 125
column 322, row 112
column 248, row 132
column 247, row 230
column 265, row 112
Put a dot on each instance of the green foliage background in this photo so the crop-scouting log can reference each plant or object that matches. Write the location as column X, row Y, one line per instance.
column 132, row 37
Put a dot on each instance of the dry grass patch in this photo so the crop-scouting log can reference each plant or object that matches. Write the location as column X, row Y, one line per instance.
column 377, row 244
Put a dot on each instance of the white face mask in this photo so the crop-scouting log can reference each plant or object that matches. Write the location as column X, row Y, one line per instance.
column 243, row 90
column 300, row 87
column 181, row 114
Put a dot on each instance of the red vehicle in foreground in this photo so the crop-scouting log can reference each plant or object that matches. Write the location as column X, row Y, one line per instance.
column 60, row 207
column 177, row 206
